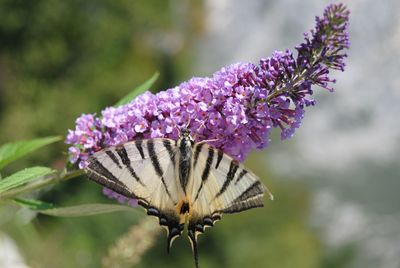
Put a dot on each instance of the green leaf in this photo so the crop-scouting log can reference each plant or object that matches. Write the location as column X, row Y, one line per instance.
column 34, row 204
column 72, row 211
column 23, row 176
column 138, row 90
column 85, row 210
column 10, row 152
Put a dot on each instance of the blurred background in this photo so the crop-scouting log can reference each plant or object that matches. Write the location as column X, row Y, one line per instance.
column 335, row 183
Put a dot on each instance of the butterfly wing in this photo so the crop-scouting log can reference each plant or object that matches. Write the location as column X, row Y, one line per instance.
column 145, row 170
column 220, row 185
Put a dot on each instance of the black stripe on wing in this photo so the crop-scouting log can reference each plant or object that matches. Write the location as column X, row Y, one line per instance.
column 113, row 157
column 197, row 153
column 206, row 170
column 239, row 207
column 229, row 177
column 167, row 144
column 253, row 190
column 252, row 197
column 154, row 158
column 156, row 165
column 220, row 156
column 241, row 176
column 98, row 173
column 139, row 147
column 121, row 151
column 95, row 165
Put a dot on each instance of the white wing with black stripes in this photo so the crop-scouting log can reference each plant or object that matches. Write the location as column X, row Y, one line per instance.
column 220, row 185
column 178, row 181
column 145, row 170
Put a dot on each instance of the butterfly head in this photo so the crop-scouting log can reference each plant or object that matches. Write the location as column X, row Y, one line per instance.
column 185, row 139
column 185, row 133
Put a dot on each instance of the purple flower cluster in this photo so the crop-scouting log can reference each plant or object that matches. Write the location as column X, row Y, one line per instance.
column 236, row 108
column 85, row 139
column 120, row 198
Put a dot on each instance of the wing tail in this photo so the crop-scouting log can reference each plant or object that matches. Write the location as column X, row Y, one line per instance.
column 168, row 220
column 193, row 241
column 174, row 231
column 197, row 226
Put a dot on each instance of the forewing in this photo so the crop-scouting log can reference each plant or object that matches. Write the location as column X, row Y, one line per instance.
column 145, row 170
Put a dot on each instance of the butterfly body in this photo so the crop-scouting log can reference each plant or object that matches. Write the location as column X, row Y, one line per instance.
column 178, row 181
column 185, row 144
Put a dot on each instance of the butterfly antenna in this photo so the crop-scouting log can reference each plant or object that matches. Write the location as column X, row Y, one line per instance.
column 202, row 125
column 177, row 128
column 193, row 242
column 188, row 122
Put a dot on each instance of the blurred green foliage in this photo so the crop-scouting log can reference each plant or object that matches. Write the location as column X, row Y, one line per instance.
column 59, row 59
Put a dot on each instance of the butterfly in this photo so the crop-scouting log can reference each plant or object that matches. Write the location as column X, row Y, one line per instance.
column 178, row 181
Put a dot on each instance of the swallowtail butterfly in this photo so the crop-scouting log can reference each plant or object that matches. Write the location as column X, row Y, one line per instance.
column 178, row 182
